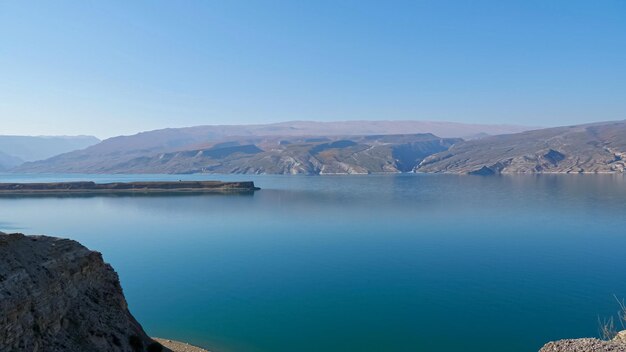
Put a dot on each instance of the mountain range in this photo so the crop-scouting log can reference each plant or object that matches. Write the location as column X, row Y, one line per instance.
column 590, row 148
column 259, row 155
column 297, row 147
column 355, row 147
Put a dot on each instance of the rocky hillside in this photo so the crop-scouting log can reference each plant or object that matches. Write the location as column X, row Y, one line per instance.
column 256, row 155
column 592, row 148
column 58, row 296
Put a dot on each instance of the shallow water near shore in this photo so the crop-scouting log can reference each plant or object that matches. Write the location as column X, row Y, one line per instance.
column 355, row 263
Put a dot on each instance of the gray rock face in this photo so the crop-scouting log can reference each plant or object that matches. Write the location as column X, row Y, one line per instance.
column 618, row 344
column 56, row 295
column 584, row 345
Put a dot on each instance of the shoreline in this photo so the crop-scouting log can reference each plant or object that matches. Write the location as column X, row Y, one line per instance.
column 177, row 346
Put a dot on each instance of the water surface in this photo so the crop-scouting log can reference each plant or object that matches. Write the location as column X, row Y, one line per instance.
column 355, row 263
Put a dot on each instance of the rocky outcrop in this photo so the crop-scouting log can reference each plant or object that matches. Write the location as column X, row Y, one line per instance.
column 618, row 344
column 58, row 296
column 584, row 345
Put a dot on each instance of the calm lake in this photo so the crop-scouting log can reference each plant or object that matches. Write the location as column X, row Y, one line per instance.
column 355, row 263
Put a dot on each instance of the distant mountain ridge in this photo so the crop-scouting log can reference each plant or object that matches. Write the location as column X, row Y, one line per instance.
column 260, row 155
column 302, row 148
column 366, row 127
column 590, row 148
column 169, row 138
column 176, row 147
column 15, row 150
column 8, row 161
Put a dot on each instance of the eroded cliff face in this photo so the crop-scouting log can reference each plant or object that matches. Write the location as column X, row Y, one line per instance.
column 56, row 295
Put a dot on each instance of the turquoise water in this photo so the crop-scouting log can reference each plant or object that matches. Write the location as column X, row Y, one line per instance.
column 356, row 263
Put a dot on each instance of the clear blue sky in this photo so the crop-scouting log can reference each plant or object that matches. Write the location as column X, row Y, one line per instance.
column 119, row 67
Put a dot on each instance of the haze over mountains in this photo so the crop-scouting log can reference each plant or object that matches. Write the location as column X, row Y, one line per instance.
column 355, row 147
column 8, row 161
column 338, row 128
column 298, row 147
column 14, row 150
column 261, row 155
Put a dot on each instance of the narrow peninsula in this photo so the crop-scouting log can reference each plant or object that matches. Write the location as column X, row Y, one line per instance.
column 88, row 187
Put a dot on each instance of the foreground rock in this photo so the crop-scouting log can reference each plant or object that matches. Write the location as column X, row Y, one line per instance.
column 58, row 296
column 618, row 344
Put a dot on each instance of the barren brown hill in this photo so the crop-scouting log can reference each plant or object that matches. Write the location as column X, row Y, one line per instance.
column 592, row 148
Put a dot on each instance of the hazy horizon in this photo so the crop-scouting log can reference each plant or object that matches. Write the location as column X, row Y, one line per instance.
column 118, row 68
column 452, row 123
